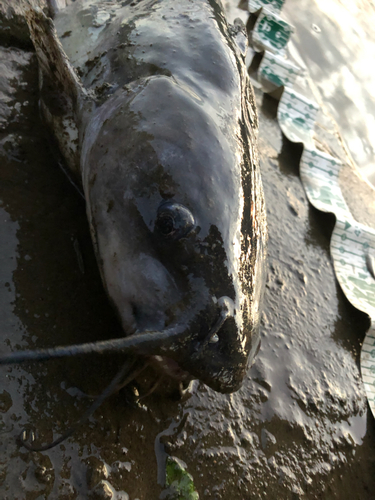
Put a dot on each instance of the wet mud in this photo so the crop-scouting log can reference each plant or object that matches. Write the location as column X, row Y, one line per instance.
column 299, row 427
column 337, row 41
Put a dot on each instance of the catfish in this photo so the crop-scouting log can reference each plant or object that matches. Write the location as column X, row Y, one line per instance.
column 151, row 107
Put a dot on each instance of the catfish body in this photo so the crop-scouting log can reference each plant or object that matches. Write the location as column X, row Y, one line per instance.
column 151, row 106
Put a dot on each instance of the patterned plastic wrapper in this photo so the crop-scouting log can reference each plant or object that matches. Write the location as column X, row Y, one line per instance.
column 352, row 244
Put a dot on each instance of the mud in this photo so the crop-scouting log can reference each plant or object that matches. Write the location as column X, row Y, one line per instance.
column 338, row 43
column 300, row 426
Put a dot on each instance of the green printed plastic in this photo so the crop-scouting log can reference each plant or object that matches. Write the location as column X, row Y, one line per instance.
column 271, row 32
column 350, row 244
column 273, row 5
column 320, row 175
column 278, row 71
column 296, row 115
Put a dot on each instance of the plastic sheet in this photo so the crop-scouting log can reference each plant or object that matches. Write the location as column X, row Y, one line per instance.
column 352, row 244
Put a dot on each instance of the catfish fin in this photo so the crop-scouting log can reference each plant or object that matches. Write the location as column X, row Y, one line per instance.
column 239, row 34
column 62, row 95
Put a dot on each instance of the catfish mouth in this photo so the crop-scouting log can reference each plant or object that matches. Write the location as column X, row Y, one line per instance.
column 172, row 368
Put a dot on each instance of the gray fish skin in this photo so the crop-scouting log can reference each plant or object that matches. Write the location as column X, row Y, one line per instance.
column 163, row 116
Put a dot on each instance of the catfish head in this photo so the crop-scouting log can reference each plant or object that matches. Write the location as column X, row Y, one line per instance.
column 167, row 157
column 175, row 205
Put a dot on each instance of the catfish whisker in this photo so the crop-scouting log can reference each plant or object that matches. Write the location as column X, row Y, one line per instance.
column 140, row 343
column 152, row 388
column 110, row 389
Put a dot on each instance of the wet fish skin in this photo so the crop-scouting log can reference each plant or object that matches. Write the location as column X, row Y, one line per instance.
column 163, row 112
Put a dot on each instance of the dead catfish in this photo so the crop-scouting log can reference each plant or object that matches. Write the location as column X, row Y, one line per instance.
column 152, row 109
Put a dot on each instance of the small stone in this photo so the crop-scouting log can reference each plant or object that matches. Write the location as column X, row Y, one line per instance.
column 214, row 339
column 272, row 462
column 43, row 475
column 302, row 277
column 96, row 471
column 105, row 491
column 267, row 439
column 247, row 440
column 119, row 466
column 44, row 471
column 102, row 491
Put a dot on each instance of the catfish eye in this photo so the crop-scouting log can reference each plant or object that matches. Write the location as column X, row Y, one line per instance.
column 174, row 220
column 165, row 224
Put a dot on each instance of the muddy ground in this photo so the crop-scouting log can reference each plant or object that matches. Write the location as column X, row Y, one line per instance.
column 299, row 428
column 338, row 42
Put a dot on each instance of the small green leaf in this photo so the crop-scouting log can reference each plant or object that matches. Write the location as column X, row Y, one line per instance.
column 179, row 482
